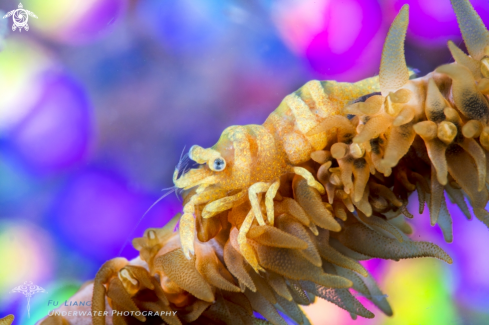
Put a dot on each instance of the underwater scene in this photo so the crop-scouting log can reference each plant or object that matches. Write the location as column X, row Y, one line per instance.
column 319, row 162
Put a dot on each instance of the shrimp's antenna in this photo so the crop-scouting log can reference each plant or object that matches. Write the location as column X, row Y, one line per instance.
column 170, row 190
column 182, row 161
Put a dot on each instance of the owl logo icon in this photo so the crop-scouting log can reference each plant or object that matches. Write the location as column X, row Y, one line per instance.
column 20, row 17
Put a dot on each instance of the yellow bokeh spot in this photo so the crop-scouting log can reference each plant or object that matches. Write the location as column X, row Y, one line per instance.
column 25, row 254
column 56, row 14
column 418, row 293
column 21, row 63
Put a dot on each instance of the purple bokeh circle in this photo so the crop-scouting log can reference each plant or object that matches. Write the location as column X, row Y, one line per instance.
column 57, row 131
column 341, row 42
column 433, row 22
column 185, row 26
column 92, row 24
column 97, row 212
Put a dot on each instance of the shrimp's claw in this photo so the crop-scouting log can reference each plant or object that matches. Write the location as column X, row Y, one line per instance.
column 222, row 204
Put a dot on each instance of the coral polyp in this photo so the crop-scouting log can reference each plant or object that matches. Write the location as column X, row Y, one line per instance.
column 278, row 214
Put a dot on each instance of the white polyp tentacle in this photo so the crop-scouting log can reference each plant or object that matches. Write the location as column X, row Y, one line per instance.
column 357, row 150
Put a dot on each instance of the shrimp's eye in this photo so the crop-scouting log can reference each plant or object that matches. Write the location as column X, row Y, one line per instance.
column 218, row 165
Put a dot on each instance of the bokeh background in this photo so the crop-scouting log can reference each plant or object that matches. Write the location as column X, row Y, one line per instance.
column 99, row 98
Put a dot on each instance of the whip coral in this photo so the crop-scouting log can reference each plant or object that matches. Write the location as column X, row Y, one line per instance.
column 7, row 320
column 279, row 214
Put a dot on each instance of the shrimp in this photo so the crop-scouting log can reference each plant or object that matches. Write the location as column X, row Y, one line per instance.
column 250, row 160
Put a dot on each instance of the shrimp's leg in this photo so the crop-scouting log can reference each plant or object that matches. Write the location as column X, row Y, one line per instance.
column 255, row 204
column 223, row 204
column 245, row 248
column 271, row 192
column 310, row 179
column 187, row 222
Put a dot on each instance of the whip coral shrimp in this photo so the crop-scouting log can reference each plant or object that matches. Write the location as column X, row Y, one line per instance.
column 278, row 214
column 251, row 159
